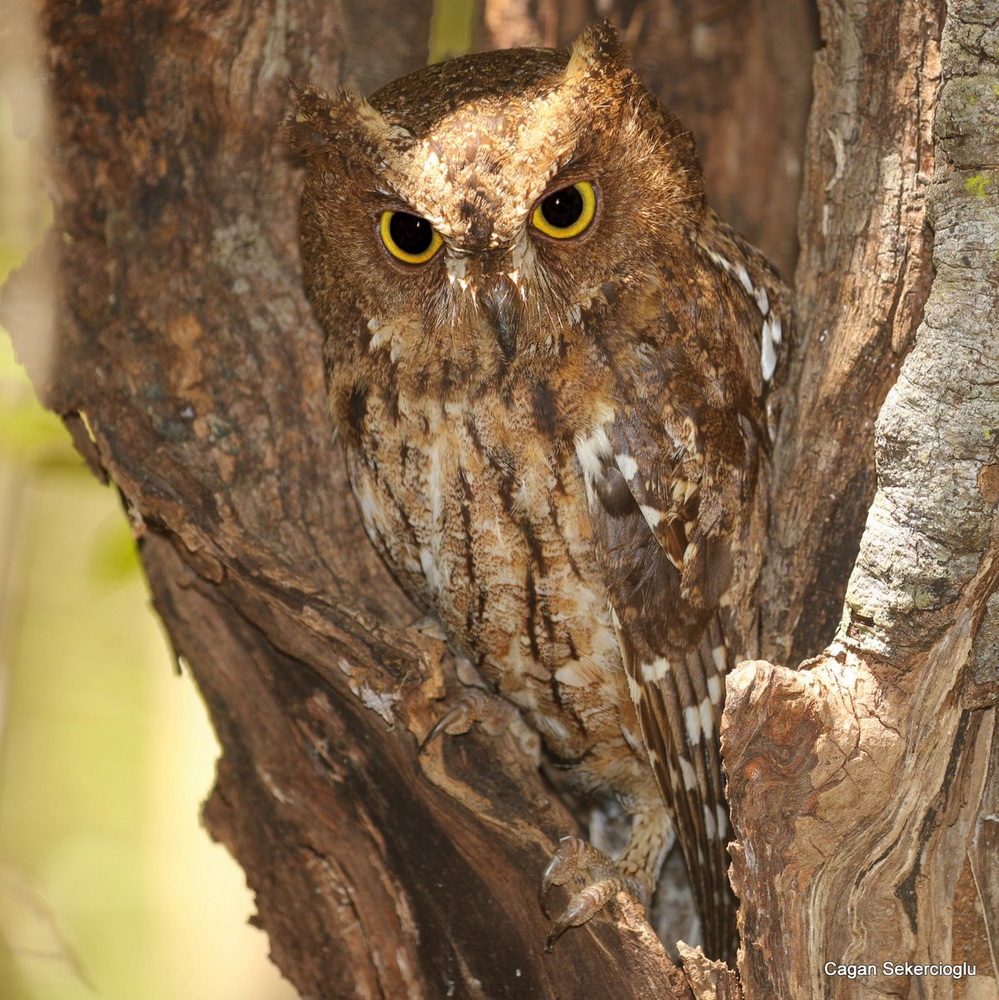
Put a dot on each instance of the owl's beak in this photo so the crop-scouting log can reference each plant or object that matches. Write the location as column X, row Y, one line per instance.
column 503, row 308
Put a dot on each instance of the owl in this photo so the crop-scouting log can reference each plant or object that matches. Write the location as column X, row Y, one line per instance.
column 551, row 367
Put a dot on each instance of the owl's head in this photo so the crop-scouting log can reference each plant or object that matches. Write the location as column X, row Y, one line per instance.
column 465, row 218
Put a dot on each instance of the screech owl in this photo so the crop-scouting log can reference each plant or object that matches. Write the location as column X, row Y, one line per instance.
column 551, row 367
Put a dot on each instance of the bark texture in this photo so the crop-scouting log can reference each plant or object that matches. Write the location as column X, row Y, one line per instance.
column 863, row 785
column 188, row 368
column 862, row 279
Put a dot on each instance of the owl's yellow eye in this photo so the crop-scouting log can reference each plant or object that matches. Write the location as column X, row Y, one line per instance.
column 567, row 212
column 408, row 237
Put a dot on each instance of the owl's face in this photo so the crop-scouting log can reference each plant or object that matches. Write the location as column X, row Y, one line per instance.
column 469, row 215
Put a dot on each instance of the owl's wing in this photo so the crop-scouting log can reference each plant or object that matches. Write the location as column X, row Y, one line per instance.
column 665, row 578
column 677, row 489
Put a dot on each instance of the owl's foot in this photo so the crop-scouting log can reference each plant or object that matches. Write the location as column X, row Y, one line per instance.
column 605, row 880
column 496, row 715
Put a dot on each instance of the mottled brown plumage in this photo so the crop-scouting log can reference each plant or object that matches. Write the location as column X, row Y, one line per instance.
column 558, row 439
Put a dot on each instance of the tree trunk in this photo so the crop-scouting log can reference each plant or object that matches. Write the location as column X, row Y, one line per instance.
column 863, row 786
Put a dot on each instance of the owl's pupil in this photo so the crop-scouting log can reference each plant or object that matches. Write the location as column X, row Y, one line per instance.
column 563, row 208
column 411, row 234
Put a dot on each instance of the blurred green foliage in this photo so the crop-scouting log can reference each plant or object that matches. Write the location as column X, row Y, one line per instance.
column 29, row 434
column 451, row 29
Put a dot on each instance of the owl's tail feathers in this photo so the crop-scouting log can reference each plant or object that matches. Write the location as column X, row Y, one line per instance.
column 679, row 708
column 708, row 860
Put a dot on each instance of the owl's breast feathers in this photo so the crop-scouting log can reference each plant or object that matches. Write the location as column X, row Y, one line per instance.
column 591, row 525
column 482, row 515
column 626, row 469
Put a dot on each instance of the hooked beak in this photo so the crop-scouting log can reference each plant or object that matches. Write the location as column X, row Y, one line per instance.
column 503, row 307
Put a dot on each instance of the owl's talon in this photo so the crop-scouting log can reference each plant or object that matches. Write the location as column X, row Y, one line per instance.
column 494, row 714
column 455, row 716
column 578, row 857
column 563, row 864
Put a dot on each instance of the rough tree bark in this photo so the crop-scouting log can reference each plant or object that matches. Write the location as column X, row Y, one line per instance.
column 864, row 785
column 188, row 370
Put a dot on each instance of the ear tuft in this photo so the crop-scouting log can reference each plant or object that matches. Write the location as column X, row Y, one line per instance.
column 597, row 51
column 308, row 126
column 317, row 121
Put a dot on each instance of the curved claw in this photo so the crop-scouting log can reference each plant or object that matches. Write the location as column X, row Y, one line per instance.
column 574, row 857
column 564, row 863
column 588, row 901
column 459, row 716
column 495, row 714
